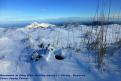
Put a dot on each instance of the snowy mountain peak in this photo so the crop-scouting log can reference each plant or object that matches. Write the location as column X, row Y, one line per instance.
column 39, row 25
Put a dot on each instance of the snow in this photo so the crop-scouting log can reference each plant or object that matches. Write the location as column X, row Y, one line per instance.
column 18, row 45
column 39, row 25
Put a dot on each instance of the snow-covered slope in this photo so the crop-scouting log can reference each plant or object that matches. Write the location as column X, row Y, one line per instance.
column 19, row 46
column 39, row 25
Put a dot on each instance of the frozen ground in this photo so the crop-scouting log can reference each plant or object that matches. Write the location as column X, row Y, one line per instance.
column 18, row 45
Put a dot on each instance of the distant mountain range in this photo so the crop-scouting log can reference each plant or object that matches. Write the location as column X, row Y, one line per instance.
column 59, row 21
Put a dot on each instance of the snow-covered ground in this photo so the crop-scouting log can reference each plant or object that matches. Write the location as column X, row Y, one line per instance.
column 18, row 46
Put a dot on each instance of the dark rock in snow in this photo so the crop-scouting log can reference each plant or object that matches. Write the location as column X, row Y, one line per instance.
column 58, row 57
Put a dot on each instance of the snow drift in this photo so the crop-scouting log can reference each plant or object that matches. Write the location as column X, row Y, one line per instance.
column 17, row 47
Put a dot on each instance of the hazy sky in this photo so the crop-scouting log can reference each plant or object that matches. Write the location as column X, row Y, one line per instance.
column 20, row 10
